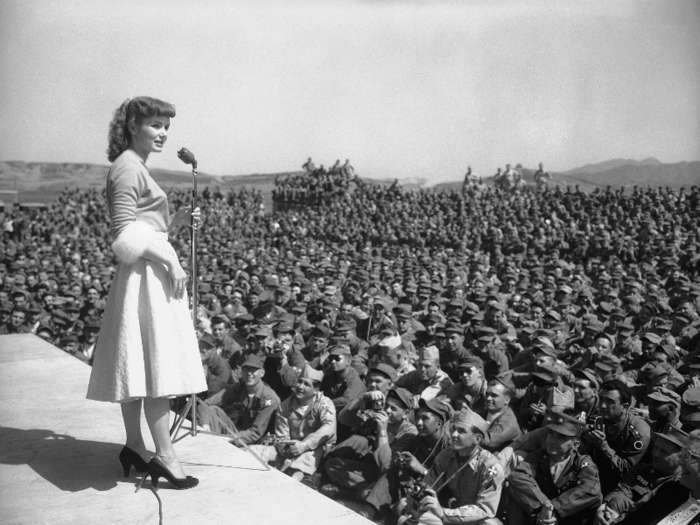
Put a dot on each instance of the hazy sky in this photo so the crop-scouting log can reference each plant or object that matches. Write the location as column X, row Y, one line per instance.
column 401, row 88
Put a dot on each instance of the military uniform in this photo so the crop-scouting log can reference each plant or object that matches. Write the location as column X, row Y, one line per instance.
column 252, row 415
column 476, row 485
column 502, row 430
column 458, row 395
column 622, row 451
column 575, row 494
column 636, row 488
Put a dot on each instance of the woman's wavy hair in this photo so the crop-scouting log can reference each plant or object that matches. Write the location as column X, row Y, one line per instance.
column 132, row 113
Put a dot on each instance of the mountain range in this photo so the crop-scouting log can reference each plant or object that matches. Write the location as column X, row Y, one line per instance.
column 42, row 181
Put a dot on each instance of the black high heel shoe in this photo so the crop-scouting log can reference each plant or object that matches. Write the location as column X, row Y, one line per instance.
column 129, row 458
column 157, row 470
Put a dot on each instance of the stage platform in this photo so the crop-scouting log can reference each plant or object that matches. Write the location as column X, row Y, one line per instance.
column 58, row 460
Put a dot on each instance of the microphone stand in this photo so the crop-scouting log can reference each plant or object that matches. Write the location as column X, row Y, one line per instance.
column 187, row 157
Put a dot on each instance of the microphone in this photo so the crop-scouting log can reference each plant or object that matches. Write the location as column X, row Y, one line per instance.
column 187, row 156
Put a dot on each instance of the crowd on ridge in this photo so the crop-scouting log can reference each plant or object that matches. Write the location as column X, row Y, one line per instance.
column 533, row 354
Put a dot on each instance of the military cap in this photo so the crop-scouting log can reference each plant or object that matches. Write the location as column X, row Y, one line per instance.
column 429, row 353
column 594, row 325
column 667, row 349
column 321, row 330
column 470, row 362
column 454, row 328
column 466, row 416
column 311, row 373
column 385, row 370
column 299, row 308
column 553, row 314
column 433, row 318
column 486, row 333
column 548, row 374
column 93, row 323
column 652, row 338
column 207, row 341
column 564, row 424
column 389, row 343
column 265, row 298
column 674, row 435
column 665, row 395
column 499, row 306
column 402, row 395
column 617, row 312
column 253, row 361
column 651, row 371
column 561, row 398
column 69, row 338
column 245, row 318
column 439, row 408
column 340, row 349
column 625, row 327
column 282, row 328
column 506, row 381
column 690, row 407
column 220, row 319
column 588, row 375
column 345, row 325
column 262, row 331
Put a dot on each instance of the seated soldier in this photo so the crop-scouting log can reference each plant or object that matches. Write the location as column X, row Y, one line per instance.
column 382, row 429
column 623, row 439
column 640, row 484
column 250, row 405
column 316, row 351
column 555, row 484
column 503, row 424
column 471, row 390
column 427, row 381
column 304, row 429
column 341, row 383
column 434, row 436
column 465, row 474
column 398, row 357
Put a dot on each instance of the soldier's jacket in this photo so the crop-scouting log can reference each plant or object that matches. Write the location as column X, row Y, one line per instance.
column 577, row 489
column 636, row 488
column 476, row 487
column 251, row 414
column 623, row 450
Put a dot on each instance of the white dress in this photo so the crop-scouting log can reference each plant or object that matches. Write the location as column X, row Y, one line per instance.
column 147, row 346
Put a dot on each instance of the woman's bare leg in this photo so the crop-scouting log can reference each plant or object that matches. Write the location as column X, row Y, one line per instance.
column 131, row 413
column 158, row 418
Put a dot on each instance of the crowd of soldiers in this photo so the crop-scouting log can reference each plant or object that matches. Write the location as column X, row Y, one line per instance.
column 433, row 357
column 315, row 184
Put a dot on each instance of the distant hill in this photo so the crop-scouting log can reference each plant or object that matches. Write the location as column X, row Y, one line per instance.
column 615, row 173
column 614, row 163
column 42, row 181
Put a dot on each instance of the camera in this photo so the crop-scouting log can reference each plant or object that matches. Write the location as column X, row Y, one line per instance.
column 597, row 424
column 277, row 348
column 414, row 491
column 370, row 409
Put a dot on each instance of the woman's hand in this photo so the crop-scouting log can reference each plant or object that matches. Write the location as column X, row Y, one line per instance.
column 178, row 278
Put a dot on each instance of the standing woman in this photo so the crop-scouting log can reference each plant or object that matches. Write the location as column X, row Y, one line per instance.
column 147, row 349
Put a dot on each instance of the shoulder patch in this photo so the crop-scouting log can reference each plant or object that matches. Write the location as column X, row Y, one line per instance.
column 267, row 403
column 492, row 471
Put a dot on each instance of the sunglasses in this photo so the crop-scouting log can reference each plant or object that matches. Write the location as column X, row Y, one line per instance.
column 687, row 456
column 334, row 358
